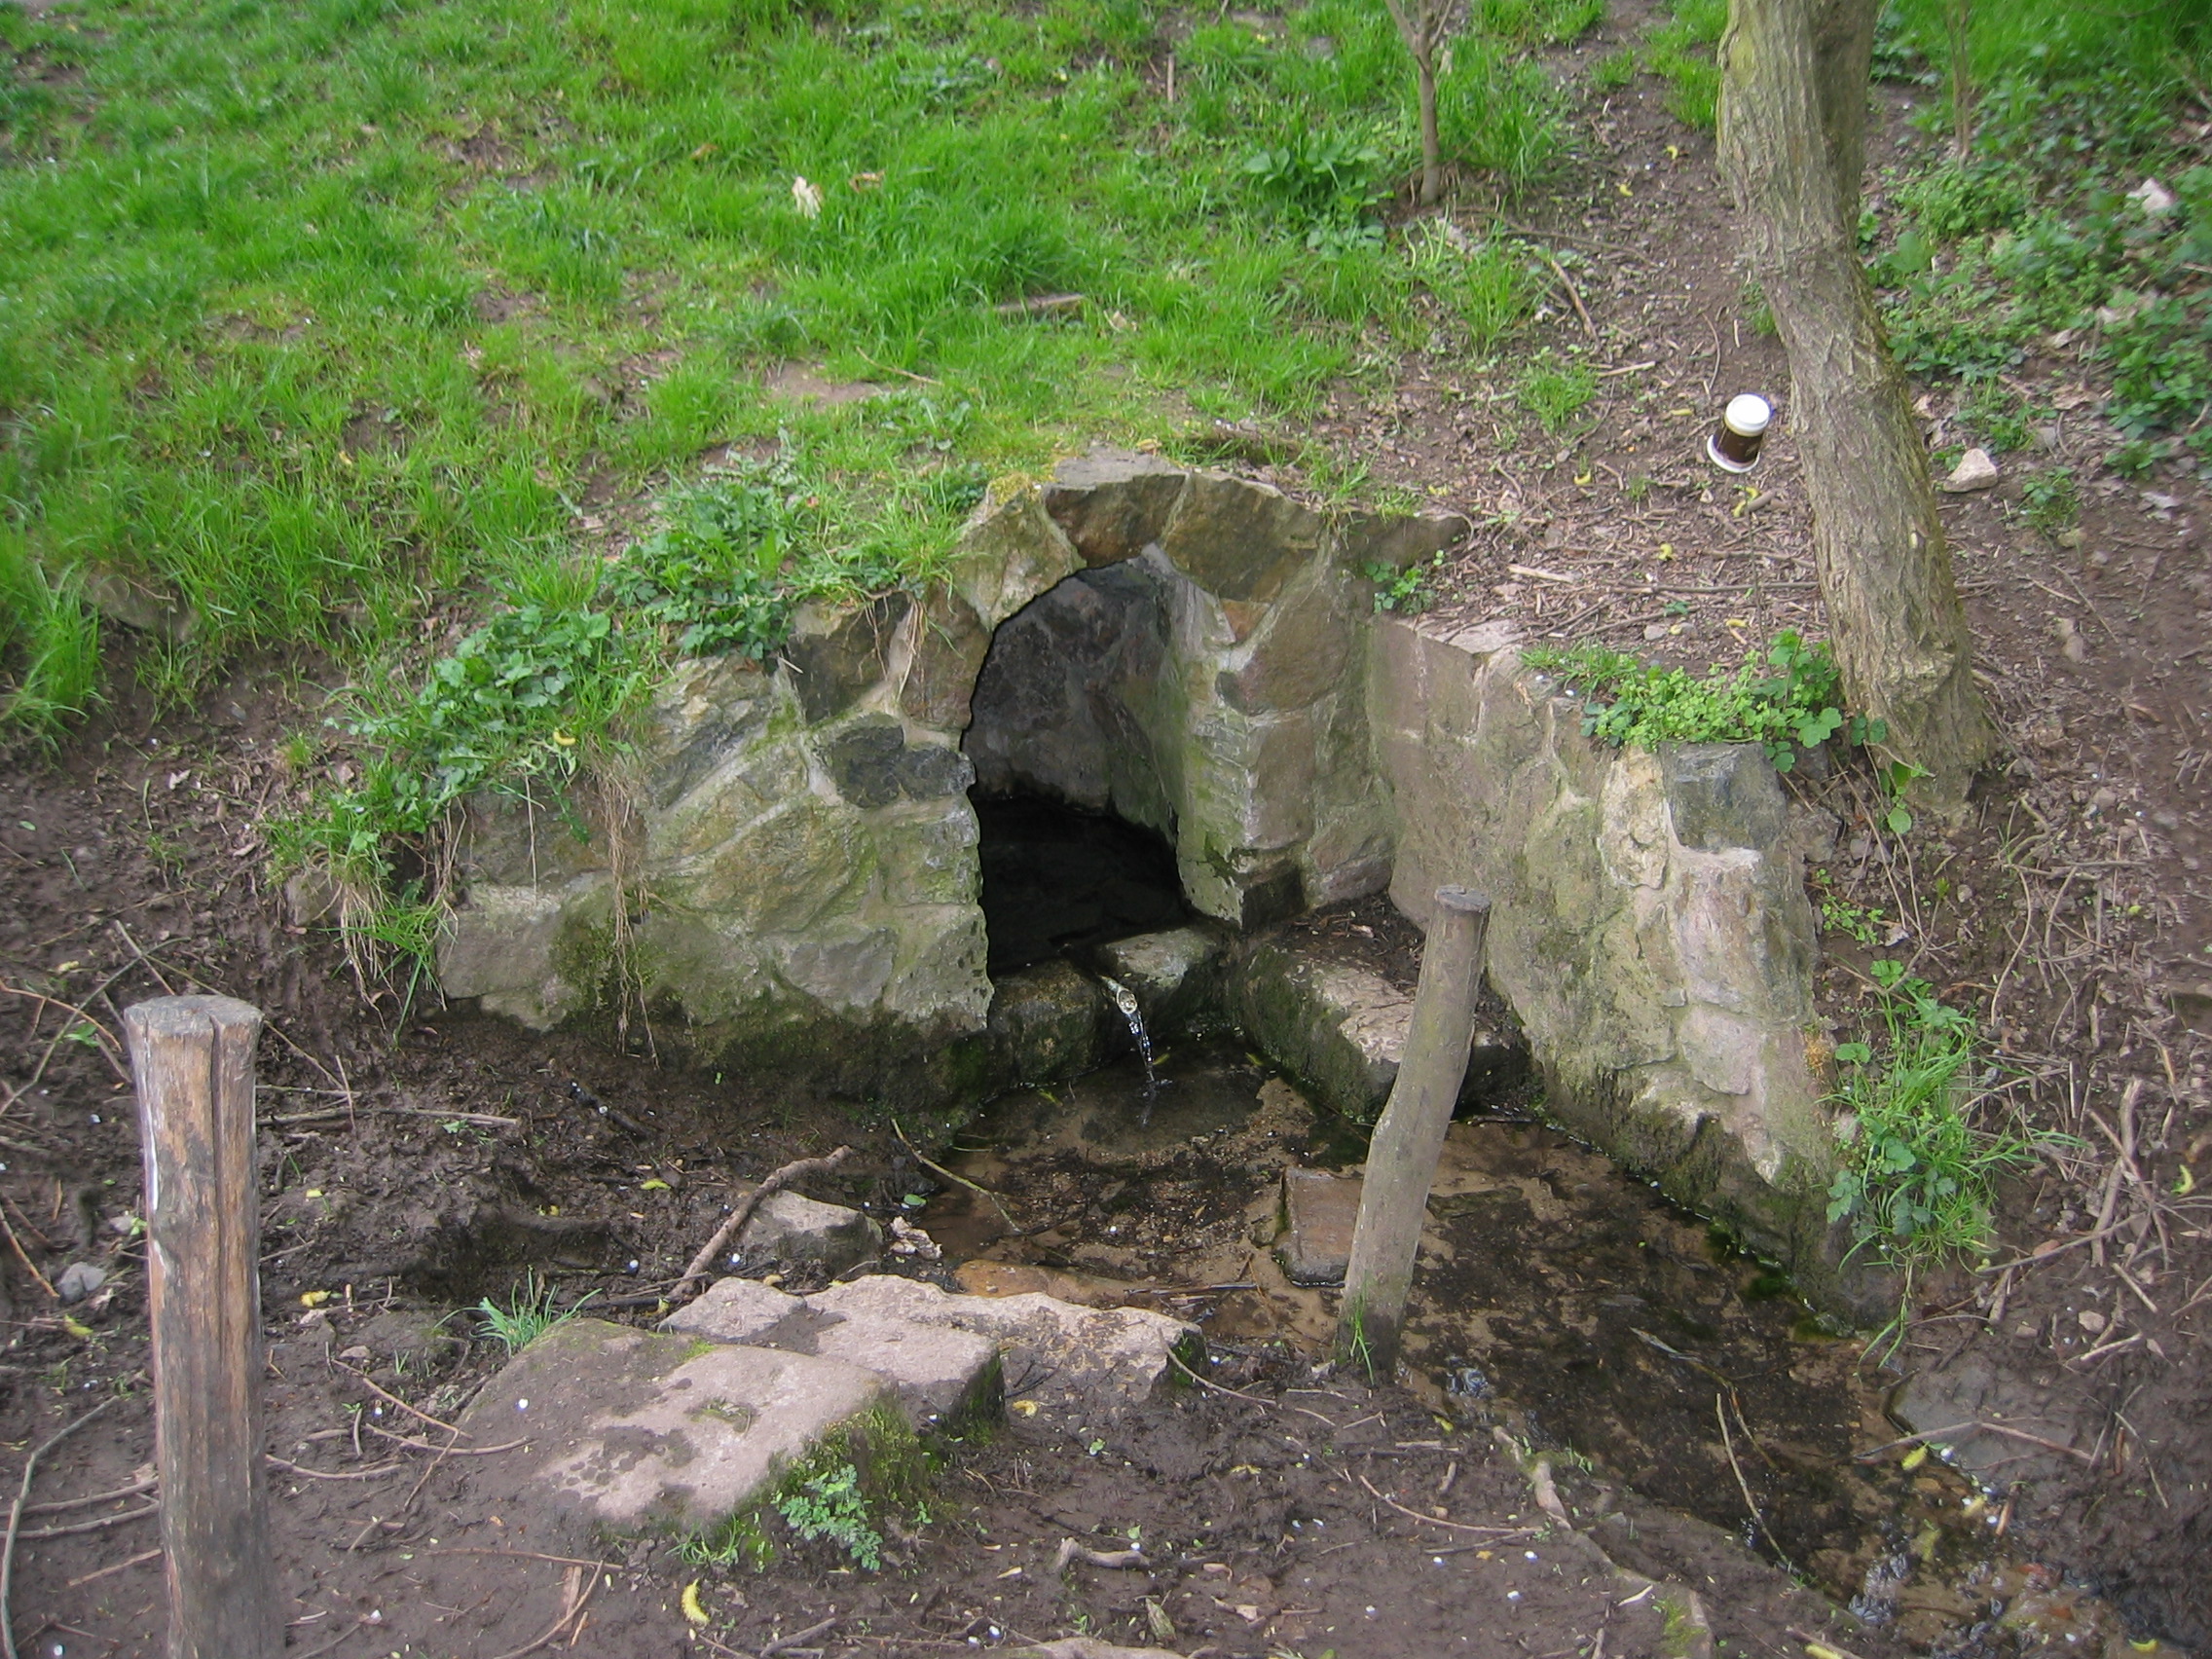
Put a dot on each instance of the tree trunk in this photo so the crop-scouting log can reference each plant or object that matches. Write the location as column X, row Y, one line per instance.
column 1792, row 132
column 1420, row 25
column 1432, row 147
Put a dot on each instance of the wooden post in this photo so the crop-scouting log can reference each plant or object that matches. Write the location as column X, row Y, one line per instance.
column 193, row 1058
column 1409, row 1139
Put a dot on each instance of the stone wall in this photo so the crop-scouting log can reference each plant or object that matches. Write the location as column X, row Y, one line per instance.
column 1180, row 646
column 1650, row 928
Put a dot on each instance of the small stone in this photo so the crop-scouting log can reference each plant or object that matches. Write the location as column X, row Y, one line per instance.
column 2154, row 198
column 1324, row 1213
column 1974, row 471
column 77, row 1280
column 2091, row 1320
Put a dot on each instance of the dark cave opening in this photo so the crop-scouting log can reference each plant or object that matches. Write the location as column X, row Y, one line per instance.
column 1058, row 879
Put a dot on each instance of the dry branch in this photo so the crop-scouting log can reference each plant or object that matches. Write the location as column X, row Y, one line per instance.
column 797, row 1170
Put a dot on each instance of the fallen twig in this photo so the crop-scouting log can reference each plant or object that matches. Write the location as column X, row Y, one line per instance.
column 798, row 1637
column 1071, row 1551
column 139, row 1560
column 98, row 1524
column 15, row 1520
column 575, row 1596
column 445, row 1451
column 1439, row 1521
column 376, row 1474
column 1238, row 1395
column 1758, row 1519
column 1982, row 1427
column 776, row 1182
column 386, row 1396
column 1567, row 282
column 997, row 1202
column 518, row 1554
column 15, row 1244
column 55, row 1505
column 1820, row 1647
column 476, row 1119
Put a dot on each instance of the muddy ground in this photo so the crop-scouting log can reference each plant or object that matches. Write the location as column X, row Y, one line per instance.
column 421, row 1157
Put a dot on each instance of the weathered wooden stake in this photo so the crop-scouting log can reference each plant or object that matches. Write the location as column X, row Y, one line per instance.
column 1409, row 1139
column 193, row 1058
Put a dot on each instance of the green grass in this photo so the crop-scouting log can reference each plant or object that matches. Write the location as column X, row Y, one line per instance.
column 525, row 1316
column 1916, row 1182
column 1681, row 52
column 1536, row 22
column 1556, row 388
column 318, row 316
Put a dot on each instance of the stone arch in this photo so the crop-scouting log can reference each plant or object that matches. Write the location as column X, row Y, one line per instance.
column 807, row 884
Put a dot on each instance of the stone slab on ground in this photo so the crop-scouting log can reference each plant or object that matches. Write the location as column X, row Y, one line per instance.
column 737, row 1311
column 940, row 1373
column 1323, row 1212
column 627, row 1429
column 1095, row 1362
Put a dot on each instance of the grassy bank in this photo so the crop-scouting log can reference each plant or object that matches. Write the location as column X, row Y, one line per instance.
column 313, row 319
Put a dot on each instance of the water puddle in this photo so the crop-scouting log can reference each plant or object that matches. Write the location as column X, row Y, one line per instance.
column 1564, row 1298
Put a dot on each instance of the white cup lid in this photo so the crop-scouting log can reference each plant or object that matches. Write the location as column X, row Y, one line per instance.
column 1748, row 415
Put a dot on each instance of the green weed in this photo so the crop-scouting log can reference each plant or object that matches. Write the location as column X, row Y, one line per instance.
column 831, row 1506
column 1614, row 71
column 1865, row 923
column 1784, row 698
column 735, row 1542
column 1408, row 591
column 527, row 1314
column 2051, row 499
column 1758, row 312
column 1555, row 389
column 1915, row 1184
column 1998, row 416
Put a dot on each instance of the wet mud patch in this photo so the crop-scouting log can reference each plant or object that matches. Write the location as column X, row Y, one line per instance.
column 1559, row 1300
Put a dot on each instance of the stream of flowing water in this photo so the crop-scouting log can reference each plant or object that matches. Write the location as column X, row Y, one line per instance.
column 1126, row 1000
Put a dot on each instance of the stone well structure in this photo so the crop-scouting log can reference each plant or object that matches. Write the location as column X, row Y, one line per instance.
column 1199, row 654
column 1180, row 646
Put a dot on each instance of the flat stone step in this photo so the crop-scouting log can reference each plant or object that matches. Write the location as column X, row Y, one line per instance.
column 630, row 1429
column 944, row 1354
column 1339, row 1028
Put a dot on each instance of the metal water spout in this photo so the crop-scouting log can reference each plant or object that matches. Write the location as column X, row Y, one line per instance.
column 1126, row 1000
